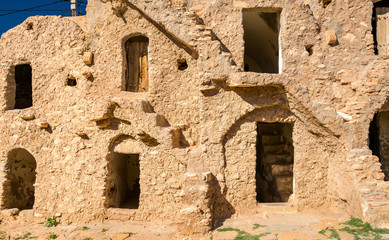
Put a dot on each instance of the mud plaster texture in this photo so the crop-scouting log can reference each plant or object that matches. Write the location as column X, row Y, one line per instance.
column 195, row 130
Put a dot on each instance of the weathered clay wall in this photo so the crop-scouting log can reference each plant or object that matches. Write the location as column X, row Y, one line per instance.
column 200, row 122
column 66, row 161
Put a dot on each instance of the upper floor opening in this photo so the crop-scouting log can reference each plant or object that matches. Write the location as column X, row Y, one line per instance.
column 380, row 23
column 19, row 87
column 262, row 40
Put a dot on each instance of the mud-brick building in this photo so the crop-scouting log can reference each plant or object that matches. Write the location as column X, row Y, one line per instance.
column 192, row 111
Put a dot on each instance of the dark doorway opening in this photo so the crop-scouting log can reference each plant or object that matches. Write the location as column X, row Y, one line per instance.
column 380, row 24
column 261, row 37
column 136, row 75
column 379, row 140
column 19, row 191
column 23, row 80
column 274, row 170
column 124, row 188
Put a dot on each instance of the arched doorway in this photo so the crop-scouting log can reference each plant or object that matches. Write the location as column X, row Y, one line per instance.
column 19, row 191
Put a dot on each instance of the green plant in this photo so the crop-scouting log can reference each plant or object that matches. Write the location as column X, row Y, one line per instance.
column 87, row 238
column 84, row 228
column 52, row 236
column 129, row 233
column 25, row 236
column 104, row 230
column 2, row 235
column 358, row 229
column 242, row 235
column 256, row 226
column 51, row 222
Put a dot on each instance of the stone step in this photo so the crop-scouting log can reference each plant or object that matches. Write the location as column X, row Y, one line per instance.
column 276, row 207
column 284, row 182
column 270, row 132
column 279, row 159
column 272, row 140
column 274, row 149
column 282, row 170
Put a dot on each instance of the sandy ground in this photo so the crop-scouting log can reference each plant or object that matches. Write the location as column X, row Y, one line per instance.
column 268, row 226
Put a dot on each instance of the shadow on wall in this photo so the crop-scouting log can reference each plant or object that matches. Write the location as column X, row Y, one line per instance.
column 222, row 209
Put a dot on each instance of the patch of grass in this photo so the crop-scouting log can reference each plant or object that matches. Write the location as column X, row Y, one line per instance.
column 354, row 222
column 52, row 236
column 84, row 228
column 87, row 238
column 358, row 229
column 51, row 222
column 334, row 234
column 243, row 235
column 256, row 226
column 25, row 236
column 104, row 230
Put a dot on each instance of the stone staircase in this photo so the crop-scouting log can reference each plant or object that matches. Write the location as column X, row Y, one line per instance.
column 369, row 183
column 138, row 118
column 277, row 163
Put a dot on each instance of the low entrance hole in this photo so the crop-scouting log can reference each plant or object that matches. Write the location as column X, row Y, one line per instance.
column 124, row 188
column 274, row 170
column 19, row 188
column 261, row 37
column 379, row 140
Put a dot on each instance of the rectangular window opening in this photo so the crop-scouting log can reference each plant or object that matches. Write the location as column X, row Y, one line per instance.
column 124, row 188
column 261, row 37
column 23, row 81
column 380, row 23
column 274, row 164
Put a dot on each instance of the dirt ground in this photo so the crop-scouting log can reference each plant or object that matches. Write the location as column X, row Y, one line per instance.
column 267, row 226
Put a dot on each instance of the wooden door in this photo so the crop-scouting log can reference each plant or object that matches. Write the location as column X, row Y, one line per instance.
column 382, row 30
column 137, row 76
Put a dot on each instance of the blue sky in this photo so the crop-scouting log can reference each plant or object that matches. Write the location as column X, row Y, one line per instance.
column 55, row 7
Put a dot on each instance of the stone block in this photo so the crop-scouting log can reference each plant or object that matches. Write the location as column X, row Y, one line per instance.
column 122, row 236
column 10, row 212
column 43, row 124
column 379, row 176
column 331, row 37
column 88, row 58
column 28, row 116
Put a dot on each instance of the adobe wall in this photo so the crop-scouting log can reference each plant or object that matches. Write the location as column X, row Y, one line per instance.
column 73, row 148
column 195, row 130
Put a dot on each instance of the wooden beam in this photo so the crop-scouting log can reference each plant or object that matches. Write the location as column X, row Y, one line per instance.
column 179, row 42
